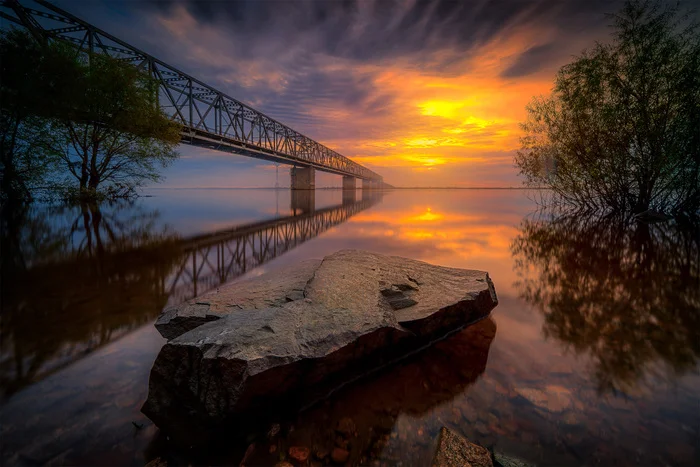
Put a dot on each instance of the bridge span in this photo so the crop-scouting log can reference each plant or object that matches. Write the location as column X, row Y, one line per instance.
column 210, row 118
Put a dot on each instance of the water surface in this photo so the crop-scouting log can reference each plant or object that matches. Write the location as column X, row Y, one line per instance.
column 591, row 356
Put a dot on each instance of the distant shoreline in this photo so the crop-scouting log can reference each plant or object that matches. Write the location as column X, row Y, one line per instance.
column 340, row 188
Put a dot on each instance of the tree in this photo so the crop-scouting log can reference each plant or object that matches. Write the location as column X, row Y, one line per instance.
column 95, row 115
column 621, row 128
column 115, row 135
column 33, row 78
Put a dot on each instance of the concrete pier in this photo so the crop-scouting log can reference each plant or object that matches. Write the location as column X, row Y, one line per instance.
column 366, row 185
column 303, row 178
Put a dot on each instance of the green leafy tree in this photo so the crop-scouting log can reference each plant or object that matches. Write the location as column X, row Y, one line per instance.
column 95, row 116
column 114, row 136
column 33, row 80
column 621, row 128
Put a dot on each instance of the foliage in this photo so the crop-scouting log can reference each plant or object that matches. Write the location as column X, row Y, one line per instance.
column 94, row 115
column 621, row 128
column 115, row 134
column 34, row 77
column 625, row 293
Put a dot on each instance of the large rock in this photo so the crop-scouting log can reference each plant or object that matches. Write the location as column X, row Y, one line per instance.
column 286, row 337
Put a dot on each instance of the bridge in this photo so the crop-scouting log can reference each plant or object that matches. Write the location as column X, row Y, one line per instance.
column 209, row 117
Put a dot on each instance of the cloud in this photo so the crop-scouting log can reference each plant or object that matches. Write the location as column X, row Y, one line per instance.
column 532, row 60
column 424, row 92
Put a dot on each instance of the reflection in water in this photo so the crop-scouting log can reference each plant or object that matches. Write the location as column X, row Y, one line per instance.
column 80, row 277
column 533, row 400
column 626, row 293
column 217, row 257
column 77, row 278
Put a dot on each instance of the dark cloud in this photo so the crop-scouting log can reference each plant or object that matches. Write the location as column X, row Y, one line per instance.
column 365, row 30
column 532, row 60
column 293, row 42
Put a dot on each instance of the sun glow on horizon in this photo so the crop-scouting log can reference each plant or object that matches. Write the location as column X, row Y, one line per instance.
column 451, row 119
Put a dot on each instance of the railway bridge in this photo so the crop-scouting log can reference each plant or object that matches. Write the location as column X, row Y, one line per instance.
column 209, row 117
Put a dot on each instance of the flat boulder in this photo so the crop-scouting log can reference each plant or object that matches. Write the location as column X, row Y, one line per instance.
column 291, row 335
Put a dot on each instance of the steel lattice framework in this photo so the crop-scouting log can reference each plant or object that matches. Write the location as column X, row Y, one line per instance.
column 209, row 117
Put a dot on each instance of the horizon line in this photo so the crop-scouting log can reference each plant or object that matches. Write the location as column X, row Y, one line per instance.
column 340, row 188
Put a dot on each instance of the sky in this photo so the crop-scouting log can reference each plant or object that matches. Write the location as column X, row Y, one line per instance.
column 425, row 93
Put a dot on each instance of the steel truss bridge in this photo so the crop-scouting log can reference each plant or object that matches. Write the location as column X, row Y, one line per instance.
column 209, row 117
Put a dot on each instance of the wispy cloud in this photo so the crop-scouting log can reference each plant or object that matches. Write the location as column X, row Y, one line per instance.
column 424, row 92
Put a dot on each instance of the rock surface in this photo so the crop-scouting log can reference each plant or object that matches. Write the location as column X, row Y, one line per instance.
column 454, row 450
column 277, row 338
column 273, row 289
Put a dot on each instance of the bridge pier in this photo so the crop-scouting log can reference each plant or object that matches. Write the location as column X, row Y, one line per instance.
column 303, row 178
column 371, row 185
column 349, row 189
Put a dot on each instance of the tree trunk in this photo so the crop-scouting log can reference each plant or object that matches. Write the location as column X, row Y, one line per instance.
column 84, row 174
column 93, row 182
column 13, row 187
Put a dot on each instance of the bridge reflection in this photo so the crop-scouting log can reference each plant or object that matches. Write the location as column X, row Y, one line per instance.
column 77, row 278
column 215, row 258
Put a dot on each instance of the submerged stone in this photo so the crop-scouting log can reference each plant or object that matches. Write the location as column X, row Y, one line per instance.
column 503, row 460
column 454, row 450
column 286, row 337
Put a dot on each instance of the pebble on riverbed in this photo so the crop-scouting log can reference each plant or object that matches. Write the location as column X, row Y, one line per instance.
column 299, row 454
column 454, row 450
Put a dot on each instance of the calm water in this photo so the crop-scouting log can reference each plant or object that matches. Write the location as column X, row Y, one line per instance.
column 591, row 357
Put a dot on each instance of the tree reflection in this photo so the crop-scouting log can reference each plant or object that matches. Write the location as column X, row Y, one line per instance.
column 626, row 293
column 76, row 278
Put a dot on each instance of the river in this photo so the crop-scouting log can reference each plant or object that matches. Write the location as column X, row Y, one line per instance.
column 591, row 356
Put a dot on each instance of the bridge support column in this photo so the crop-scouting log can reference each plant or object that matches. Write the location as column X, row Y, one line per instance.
column 303, row 201
column 303, row 178
column 366, row 184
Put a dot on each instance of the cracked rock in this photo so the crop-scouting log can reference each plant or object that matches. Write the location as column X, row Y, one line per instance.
column 287, row 335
